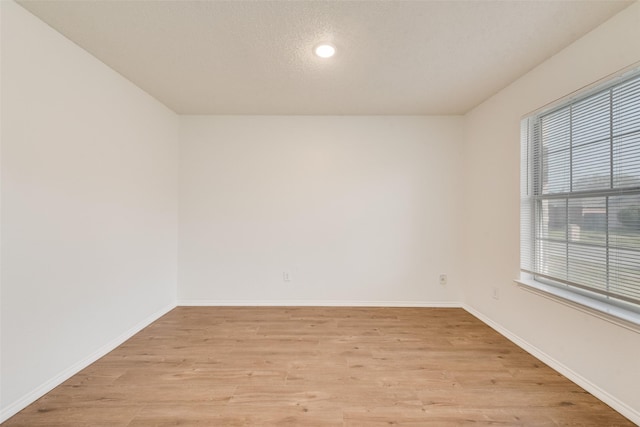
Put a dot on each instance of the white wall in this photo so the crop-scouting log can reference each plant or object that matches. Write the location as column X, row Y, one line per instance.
column 358, row 209
column 89, row 207
column 603, row 354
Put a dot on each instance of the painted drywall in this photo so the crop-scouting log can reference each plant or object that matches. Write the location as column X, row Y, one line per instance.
column 358, row 210
column 603, row 353
column 89, row 206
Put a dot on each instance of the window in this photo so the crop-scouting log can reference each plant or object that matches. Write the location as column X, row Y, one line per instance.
column 580, row 194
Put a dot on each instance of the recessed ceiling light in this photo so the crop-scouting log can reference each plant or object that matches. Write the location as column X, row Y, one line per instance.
column 325, row 50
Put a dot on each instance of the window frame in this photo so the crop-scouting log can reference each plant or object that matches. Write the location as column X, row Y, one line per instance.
column 612, row 307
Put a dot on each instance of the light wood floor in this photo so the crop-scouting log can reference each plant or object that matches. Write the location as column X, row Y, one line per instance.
column 213, row 366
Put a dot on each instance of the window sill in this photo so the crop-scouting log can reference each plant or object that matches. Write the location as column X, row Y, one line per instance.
column 609, row 312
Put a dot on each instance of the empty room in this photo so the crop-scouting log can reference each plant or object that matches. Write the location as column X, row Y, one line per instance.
column 320, row 213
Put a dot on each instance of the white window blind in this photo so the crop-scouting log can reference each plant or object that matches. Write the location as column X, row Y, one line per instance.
column 580, row 193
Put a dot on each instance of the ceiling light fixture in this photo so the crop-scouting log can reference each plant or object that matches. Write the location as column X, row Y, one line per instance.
column 325, row 50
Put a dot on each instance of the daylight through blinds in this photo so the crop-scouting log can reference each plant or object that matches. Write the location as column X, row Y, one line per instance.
column 580, row 193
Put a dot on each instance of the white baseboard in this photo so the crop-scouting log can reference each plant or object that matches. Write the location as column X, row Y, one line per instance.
column 315, row 303
column 624, row 409
column 52, row 383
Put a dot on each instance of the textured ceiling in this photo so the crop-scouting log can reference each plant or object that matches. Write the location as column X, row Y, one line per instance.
column 255, row 57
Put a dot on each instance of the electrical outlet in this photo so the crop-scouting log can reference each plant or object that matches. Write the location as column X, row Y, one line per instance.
column 443, row 279
column 496, row 293
column 286, row 276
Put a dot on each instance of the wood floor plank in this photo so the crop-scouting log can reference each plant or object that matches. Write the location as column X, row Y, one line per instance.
column 317, row 366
